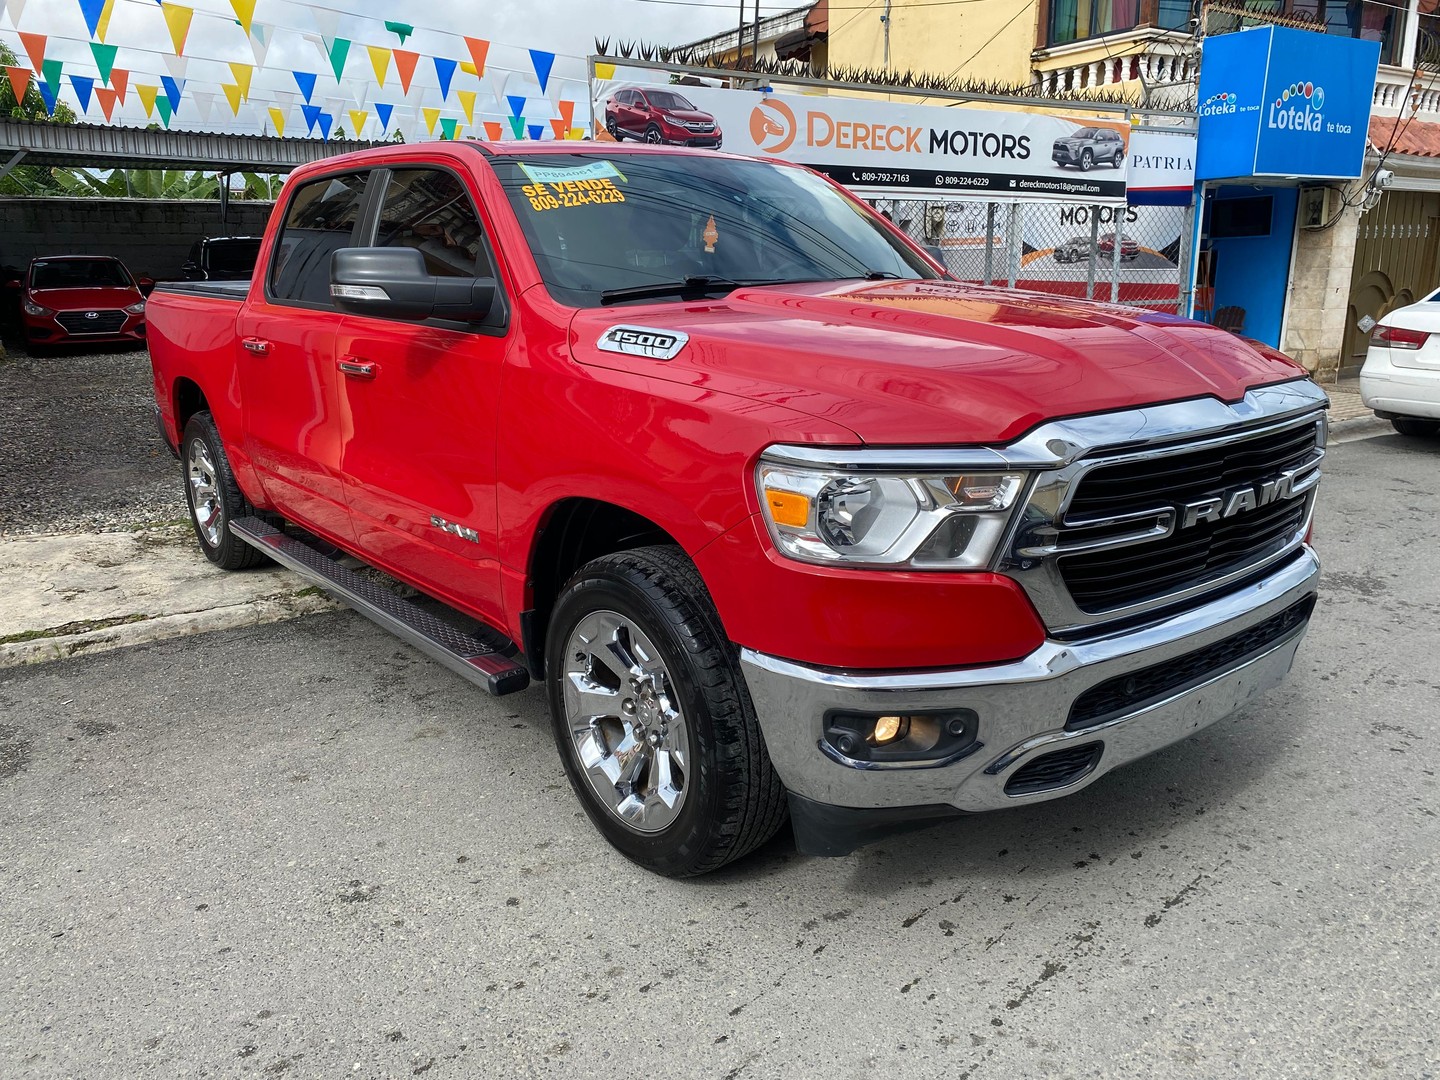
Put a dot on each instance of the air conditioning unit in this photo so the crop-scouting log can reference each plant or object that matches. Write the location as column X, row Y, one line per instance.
column 1319, row 206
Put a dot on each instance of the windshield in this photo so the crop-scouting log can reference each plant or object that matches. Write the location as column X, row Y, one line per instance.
column 664, row 99
column 596, row 226
column 78, row 274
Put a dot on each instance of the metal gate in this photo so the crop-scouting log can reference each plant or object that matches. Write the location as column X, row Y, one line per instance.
column 1396, row 263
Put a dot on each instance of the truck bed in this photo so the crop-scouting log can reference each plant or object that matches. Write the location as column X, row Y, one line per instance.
column 217, row 290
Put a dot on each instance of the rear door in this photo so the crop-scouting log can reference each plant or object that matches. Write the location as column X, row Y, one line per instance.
column 288, row 379
column 421, row 404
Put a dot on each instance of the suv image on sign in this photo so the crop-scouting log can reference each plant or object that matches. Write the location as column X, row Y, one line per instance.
column 1089, row 147
column 659, row 116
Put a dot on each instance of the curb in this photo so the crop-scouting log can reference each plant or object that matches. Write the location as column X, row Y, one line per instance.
column 164, row 628
column 1359, row 427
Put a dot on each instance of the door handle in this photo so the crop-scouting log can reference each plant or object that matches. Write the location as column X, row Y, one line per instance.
column 357, row 368
column 258, row 346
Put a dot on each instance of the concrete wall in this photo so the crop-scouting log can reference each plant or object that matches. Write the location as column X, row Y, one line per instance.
column 150, row 236
column 1320, row 294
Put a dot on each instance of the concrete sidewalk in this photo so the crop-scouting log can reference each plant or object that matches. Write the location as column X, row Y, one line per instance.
column 71, row 594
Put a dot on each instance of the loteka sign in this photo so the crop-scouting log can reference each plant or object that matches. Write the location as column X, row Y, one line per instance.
column 882, row 148
column 1281, row 102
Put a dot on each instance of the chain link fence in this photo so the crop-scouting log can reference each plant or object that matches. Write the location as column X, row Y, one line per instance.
column 1063, row 248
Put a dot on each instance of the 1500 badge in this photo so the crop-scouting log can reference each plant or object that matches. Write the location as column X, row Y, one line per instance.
column 643, row 341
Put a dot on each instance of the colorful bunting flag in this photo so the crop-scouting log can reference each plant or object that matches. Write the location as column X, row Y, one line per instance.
column 48, row 95
column 448, row 126
column 400, row 30
column 326, row 122
column 278, row 119
column 82, row 85
column 106, row 97
column 542, row 62
column 467, row 102
column 536, row 131
column 104, row 59
column 444, row 72
column 233, row 94
column 105, row 13
column 177, row 66
column 576, row 133
column 178, row 18
column 204, row 103
column 173, row 89
column 148, row 94
column 432, row 117
column 379, row 61
column 479, row 50
column 259, row 42
column 516, row 102
column 358, row 119
column 19, row 81
column 35, row 49
column 383, row 112
column 305, row 80
column 311, row 113
column 338, row 49
column 494, row 131
column 119, row 82
column 244, row 13
column 468, row 67
column 50, row 74
column 558, row 126
column 91, row 10
column 604, row 71
column 405, row 62
column 163, row 107
column 15, row 7
column 517, row 126
column 242, row 74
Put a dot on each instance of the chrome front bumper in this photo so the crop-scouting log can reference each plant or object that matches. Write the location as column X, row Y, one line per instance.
column 1022, row 706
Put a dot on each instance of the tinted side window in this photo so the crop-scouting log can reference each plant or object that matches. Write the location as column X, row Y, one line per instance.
column 320, row 220
column 431, row 211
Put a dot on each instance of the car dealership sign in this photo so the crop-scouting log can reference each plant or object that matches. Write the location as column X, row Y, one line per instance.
column 885, row 148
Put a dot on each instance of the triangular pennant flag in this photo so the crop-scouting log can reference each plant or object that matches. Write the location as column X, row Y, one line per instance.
column 244, row 13
column 148, row 94
column 467, row 102
column 173, row 89
column 91, row 10
column 47, row 94
column 178, row 20
column 536, row 131
column 542, row 62
column 400, row 30
column 233, row 95
column 494, row 131
column 326, row 20
column 162, row 106
column 106, row 97
column 35, row 49
column 305, row 80
column 577, row 134
column 479, row 50
column 326, row 122
column 405, row 62
column 567, row 113
column 444, row 72
column 105, row 13
column 338, row 50
column 242, row 74
column 358, row 119
column 120, row 82
column 204, row 102
column 50, row 74
column 380, row 61
column 558, row 126
column 448, row 125
column 177, row 66
column 15, row 7
column 467, row 66
column 277, row 117
column 517, row 126
column 383, row 112
column 312, row 117
column 432, row 117
column 19, row 81
column 284, row 98
column 104, row 59
column 259, row 42
column 82, row 85
column 516, row 102
column 604, row 71
column 319, row 42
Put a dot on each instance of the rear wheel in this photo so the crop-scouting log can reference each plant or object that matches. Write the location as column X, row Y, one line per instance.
column 652, row 717
column 213, row 496
column 1087, row 160
column 1409, row 425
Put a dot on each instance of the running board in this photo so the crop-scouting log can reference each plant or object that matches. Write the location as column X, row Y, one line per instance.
column 473, row 657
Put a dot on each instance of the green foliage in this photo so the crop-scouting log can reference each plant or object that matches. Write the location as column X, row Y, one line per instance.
column 138, row 184
column 28, row 179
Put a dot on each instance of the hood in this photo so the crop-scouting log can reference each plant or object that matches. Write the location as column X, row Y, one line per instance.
column 113, row 296
column 694, row 116
column 931, row 362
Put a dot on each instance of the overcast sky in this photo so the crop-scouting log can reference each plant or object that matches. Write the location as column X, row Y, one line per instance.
column 565, row 27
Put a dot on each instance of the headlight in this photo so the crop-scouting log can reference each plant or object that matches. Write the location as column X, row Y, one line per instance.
column 35, row 310
column 137, row 308
column 927, row 521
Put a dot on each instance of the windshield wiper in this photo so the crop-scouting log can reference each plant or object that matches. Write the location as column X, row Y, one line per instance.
column 879, row 275
column 695, row 284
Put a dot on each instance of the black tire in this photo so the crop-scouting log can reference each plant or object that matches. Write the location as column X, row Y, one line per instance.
column 614, row 129
column 222, row 494
column 1087, row 160
column 733, row 801
column 1420, row 429
column 654, row 135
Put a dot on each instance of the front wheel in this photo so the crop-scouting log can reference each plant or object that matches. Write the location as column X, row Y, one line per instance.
column 614, row 129
column 213, row 496
column 1409, row 425
column 652, row 717
column 653, row 135
column 1087, row 161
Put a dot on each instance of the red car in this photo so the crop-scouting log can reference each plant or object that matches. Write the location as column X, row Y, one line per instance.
column 1129, row 249
column 74, row 299
column 659, row 116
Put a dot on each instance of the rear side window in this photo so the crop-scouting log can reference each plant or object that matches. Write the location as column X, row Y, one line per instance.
column 320, row 220
column 430, row 211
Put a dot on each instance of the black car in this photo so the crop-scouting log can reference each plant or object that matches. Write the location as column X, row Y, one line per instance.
column 222, row 258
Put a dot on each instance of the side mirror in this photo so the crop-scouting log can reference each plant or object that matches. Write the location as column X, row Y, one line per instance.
column 392, row 282
column 14, row 283
column 145, row 284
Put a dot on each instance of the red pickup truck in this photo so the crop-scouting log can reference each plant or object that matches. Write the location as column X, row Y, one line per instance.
column 787, row 523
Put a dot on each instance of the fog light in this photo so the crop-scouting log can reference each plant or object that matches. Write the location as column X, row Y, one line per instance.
column 888, row 729
column 903, row 737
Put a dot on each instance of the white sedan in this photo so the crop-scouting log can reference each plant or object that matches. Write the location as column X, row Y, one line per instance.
column 1401, row 376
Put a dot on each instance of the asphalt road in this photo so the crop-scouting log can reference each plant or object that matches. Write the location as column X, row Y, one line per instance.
column 305, row 850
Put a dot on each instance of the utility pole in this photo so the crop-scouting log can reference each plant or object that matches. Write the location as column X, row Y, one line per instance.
column 755, row 50
column 885, row 21
column 740, row 37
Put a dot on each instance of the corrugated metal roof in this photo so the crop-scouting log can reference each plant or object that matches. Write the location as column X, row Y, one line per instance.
column 98, row 146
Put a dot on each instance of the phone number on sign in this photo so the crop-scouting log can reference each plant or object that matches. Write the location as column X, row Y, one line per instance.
column 951, row 180
column 880, row 177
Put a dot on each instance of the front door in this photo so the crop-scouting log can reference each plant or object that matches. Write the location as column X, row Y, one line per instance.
column 288, row 379
column 420, row 402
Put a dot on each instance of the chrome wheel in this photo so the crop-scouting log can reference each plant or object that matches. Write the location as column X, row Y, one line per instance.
column 652, row 134
column 204, row 493
column 629, row 734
